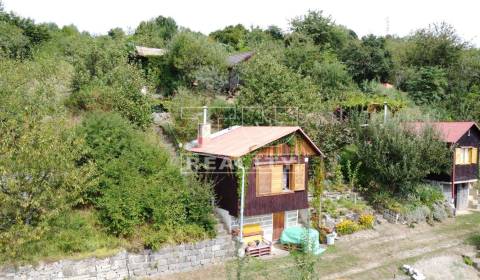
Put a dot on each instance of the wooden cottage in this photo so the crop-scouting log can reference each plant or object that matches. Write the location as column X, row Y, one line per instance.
column 457, row 184
column 233, row 76
column 276, row 163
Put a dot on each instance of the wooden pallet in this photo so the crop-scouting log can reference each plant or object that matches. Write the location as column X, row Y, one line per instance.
column 261, row 250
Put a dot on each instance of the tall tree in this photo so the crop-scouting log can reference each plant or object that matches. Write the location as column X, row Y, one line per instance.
column 322, row 29
column 233, row 36
column 437, row 45
column 368, row 59
column 156, row 32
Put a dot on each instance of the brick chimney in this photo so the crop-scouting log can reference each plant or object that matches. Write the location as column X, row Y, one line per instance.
column 204, row 129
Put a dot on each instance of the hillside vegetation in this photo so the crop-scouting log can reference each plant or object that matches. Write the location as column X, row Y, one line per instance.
column 83, row 172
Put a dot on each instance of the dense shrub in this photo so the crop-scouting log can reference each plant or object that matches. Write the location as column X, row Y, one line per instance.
column 322, row 29
column 138, row 184
column 42, row 169
column 119, row 91
column 155, row 33
column 273, row 94
column 13, row 43
column 398, row 157
column 233, row 36
column 427, row 195
column 42, row 176
column 368, row 59
column 190, row 54
column 425, row 85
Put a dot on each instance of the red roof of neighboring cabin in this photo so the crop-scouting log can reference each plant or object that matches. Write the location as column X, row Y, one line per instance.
column 238, row 141
column 450, row 132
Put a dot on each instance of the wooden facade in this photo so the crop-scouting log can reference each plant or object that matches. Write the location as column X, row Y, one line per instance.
column 226, row 185
column 259, row 205
column 462, row 172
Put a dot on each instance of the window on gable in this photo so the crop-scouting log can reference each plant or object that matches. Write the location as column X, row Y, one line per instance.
column 286, row 177
column 278, row 178
column 466, row 155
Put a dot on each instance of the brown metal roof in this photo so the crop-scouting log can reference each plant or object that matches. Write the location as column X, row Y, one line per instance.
column 450, row 132
column 239, row 57
column 238, row 141
column 146, row 52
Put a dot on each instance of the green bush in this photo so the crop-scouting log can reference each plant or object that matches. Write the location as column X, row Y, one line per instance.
column 425, row 85
column 118, row 92
column 138, row 184
column 428, row 195
column 273, row 94
column 399, row 158
column 191, row 57
column 155, row 32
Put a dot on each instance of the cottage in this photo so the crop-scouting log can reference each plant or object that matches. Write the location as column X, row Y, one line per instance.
column 275, row 163
column 457, row 184
column 233, row 76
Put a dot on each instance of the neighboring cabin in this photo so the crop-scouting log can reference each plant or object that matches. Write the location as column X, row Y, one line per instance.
column 144, row 54
column 234, row 80
column 276, row 192
column 457, row 184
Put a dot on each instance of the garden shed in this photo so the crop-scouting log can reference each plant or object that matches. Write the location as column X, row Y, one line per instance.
column 464, row 140
column 275, row 160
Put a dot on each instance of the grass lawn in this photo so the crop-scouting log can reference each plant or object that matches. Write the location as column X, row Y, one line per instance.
column 376, row 254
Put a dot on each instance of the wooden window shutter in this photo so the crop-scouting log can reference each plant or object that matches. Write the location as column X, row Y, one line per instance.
column 264, row 180
column 474, row 155
column 298, row 177
column 277, row 175
column 466, row 156
column 458, row 156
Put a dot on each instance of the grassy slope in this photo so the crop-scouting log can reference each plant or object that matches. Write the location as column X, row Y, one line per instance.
column 76, row 234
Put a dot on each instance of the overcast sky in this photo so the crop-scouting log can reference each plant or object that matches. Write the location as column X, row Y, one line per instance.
column 366, row 16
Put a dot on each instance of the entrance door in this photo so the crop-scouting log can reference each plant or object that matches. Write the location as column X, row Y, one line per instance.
column 278, row 225
column 461, row 196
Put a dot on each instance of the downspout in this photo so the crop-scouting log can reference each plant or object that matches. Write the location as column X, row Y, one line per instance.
column 242, row 199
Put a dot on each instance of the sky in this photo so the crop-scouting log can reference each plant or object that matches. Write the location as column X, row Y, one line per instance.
column 399, row 17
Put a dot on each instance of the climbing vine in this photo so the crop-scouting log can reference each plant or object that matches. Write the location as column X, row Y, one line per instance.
column 290, row 140
column 247, row 162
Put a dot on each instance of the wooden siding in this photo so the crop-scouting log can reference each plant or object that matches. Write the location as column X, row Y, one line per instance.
column 225, row 183
column 225, row 188
column 462, row 172
column 274, row 203
column 466, row 172
column 469, row 171
column 301, row 148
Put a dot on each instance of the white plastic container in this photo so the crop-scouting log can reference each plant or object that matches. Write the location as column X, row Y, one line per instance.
column 331, row 238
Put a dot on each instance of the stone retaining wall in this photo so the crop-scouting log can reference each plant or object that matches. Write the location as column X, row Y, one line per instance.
column 125, row 265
